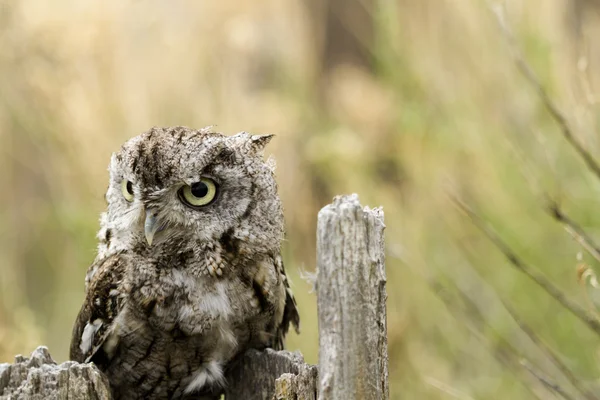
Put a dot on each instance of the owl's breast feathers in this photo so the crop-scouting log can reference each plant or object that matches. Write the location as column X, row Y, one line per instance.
column 109, row 322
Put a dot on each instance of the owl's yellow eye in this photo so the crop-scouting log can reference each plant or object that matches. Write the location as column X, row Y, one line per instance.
column 199, row 194
column 127, row 190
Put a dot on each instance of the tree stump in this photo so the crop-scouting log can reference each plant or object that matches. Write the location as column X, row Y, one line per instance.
column 40, row 378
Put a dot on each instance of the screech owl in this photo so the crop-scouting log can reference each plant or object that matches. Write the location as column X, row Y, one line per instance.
column 188, row 273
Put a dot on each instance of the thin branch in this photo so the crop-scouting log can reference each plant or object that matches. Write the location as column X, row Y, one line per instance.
column 507, row 346
column 540, row 344
column 536, row 276
column 550, row 106
column 506, row 356
column 549, row 352
column 574, row 230
column 545, row 380
column 505, row 353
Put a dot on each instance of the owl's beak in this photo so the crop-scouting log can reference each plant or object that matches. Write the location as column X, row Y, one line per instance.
column 151, row 226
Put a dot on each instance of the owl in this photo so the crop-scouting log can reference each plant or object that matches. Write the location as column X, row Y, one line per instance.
column 188, row 273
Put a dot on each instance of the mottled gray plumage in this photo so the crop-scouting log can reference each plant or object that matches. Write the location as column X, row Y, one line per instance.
column 178, row 290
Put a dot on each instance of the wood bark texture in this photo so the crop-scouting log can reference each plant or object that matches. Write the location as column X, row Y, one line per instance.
column 40, row 378
column 353, row 361
column 257, row 375
column 270, row 374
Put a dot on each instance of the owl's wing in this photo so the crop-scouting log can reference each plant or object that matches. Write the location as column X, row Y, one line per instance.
column 290, row 312
column 104, row 301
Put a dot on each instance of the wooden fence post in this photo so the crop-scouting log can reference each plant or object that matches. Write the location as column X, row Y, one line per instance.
column 353, row 360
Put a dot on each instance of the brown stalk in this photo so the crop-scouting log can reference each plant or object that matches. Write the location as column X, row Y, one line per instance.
column 541, row 280
column 574, row 230
column 556, row 114
column 504, row 352
column 549, row 352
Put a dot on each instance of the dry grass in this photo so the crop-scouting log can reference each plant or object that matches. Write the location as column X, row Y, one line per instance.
column 444, row 110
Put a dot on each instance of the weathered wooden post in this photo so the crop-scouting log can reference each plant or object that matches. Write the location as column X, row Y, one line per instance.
column 272, row 375
column 39, row 377
column 353, row 360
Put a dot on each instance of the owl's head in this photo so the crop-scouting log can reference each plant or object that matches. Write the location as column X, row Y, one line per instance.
column 174, row 189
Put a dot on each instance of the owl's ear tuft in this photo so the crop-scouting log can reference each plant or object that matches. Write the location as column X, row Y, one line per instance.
column 250, row 143
column 259, row 142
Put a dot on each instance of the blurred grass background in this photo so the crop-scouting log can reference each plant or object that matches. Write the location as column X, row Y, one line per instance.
column 400, row 101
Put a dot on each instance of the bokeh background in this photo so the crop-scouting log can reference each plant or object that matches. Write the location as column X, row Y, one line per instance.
column 401, row 101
